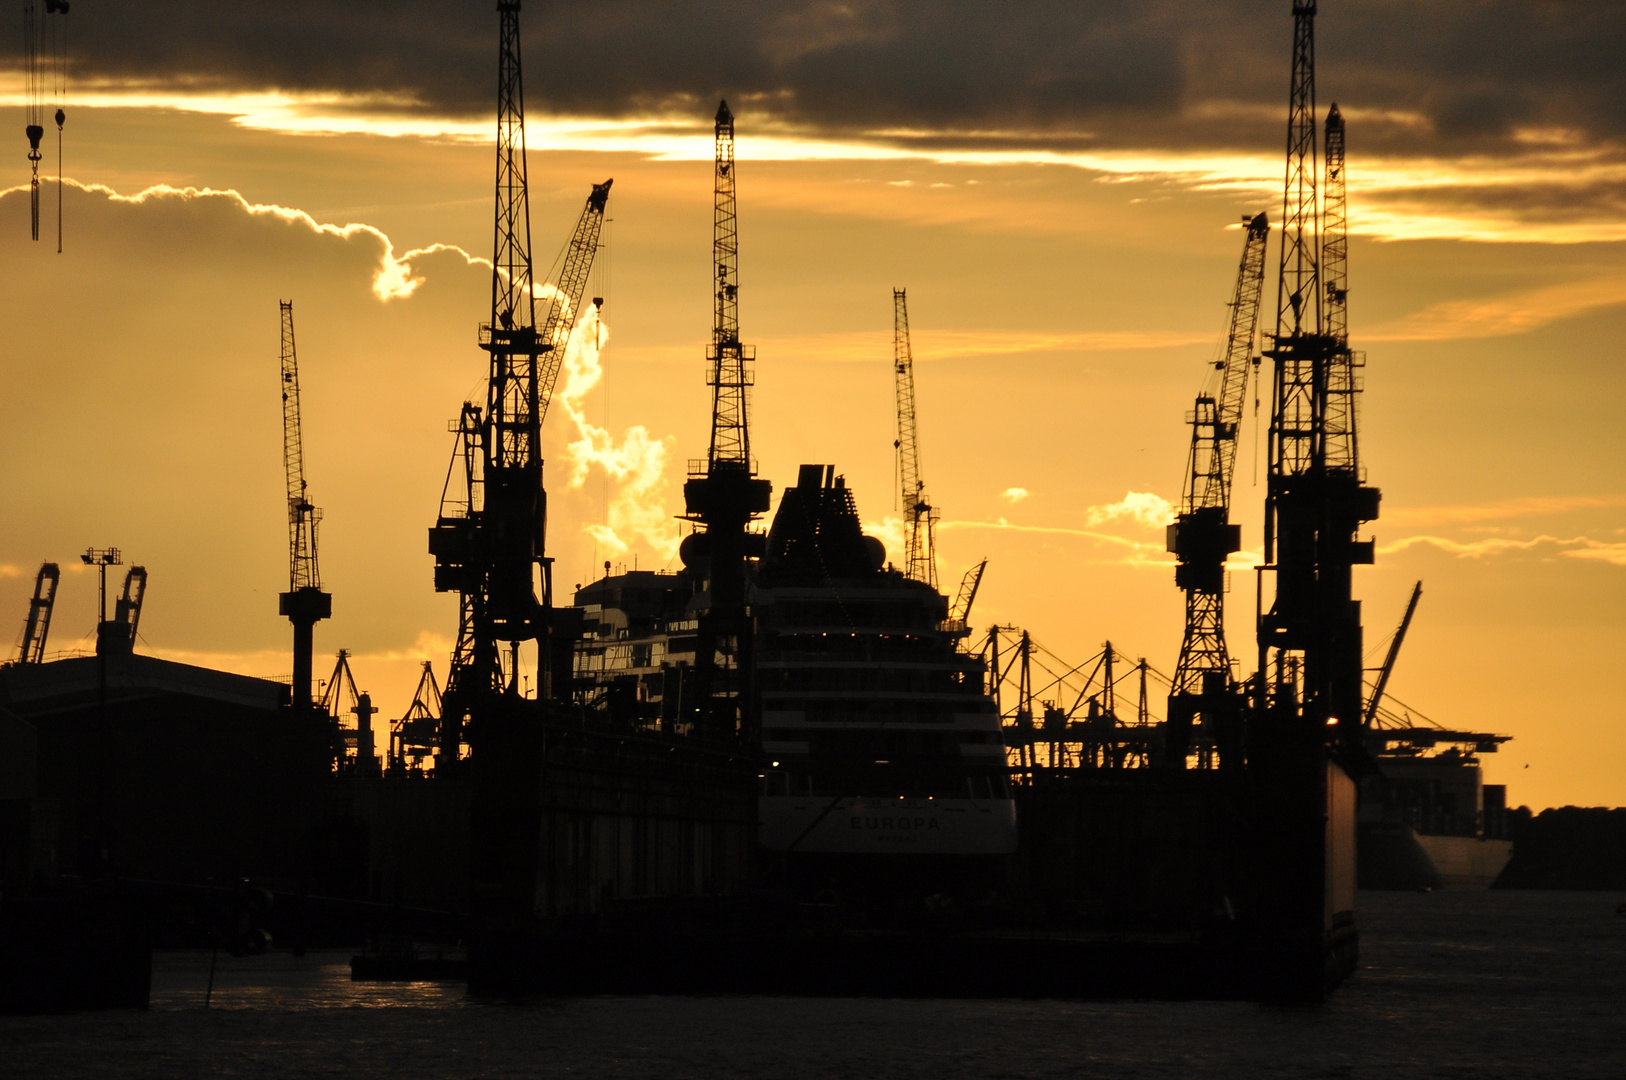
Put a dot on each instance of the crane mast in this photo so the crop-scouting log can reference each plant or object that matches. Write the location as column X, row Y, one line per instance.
column 304, row 604
column 723, row 494
column 730, row 361
column 919, row 537
column 1202, row 535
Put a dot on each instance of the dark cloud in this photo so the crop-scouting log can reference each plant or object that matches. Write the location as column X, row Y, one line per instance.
column 1103, row 73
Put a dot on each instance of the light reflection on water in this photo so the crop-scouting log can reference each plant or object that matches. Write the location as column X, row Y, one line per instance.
column 282, row 982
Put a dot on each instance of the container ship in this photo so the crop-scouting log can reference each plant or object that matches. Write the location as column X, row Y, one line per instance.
column 1429, row 821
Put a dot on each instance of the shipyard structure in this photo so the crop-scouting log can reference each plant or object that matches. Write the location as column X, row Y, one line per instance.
column 790, row 765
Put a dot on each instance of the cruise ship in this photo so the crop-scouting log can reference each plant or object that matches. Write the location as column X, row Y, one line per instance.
column 877, row 729
column 878, row 737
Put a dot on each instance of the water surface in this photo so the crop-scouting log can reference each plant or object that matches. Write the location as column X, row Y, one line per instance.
column 1471, row 985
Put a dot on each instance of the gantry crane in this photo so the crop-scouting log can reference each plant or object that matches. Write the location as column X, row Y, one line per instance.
column 340, row 687
column 723, row 494
column 920, row 548
column 38, row 625
column 1310, row 637
column 489, row 544
column 304, row 604
column 1202, row 535
column 414, row 736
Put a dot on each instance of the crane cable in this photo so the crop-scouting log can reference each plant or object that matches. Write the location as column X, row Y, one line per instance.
column 59, row 66
column 33, row 34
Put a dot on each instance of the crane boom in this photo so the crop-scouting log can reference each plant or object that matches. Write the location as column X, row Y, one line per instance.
column 1340, row 428
column 560, row 317
column 118, row 634
column 730, row 372
column 919, row 537
column 38, row 626
column 1335, row 228
column 960, row 613
column 1370, row 714
column 1219, row 412
column 303, row 518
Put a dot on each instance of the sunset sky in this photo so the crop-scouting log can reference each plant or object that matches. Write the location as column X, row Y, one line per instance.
column 1058, row 186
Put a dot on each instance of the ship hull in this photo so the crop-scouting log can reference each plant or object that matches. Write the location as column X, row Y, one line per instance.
column 1399, row 857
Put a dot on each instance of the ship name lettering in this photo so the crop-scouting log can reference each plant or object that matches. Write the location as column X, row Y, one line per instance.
column 902, row 824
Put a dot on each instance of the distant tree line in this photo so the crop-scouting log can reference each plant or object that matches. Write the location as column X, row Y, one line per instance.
column 1569, row 847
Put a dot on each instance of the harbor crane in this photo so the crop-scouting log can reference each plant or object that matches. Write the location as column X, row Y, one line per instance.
column 1202, row 534
column 304, row 604
column 343, row 697
column 723, row 494
column 489, row 544
column 412, row 737
column 38, row 625
column 1310, row 634
column 920, row 550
